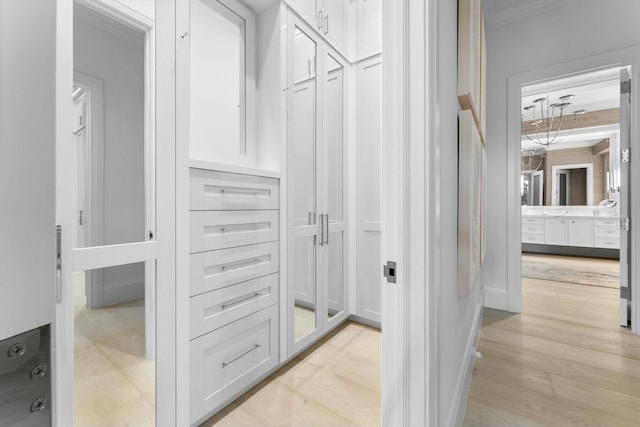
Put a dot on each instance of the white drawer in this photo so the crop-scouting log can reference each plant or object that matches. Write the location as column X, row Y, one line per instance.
column 211, row 230
column 600, row 231
column 213, row 190
column 533, row 228
column 532, row 221
column 532, row 238
column 215, row 309
column 607, row 242
column 231, row 358
column 217, row 269
column 613, row 222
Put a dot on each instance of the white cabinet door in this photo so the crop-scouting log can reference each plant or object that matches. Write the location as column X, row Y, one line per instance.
column 368, row 187
column 368, row 28
column 581, row 232
column 27, row 161
column 334, row 14
column 309, row 10
column 556, row 231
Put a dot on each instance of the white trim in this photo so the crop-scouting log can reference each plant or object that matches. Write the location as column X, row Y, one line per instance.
column 554, row 181
column 522, row 10
column 495, row 298
column 223, row 167
column 111, row 255
column 623, row 57
column 463, row 383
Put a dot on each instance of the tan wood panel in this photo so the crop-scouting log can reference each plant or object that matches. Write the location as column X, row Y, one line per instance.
column 589, row 119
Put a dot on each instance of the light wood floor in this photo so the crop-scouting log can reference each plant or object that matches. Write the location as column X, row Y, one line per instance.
column 563, row 362
column 113, row 382
column 334, row 383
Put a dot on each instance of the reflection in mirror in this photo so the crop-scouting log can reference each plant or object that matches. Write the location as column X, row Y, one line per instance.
column 335, row 131
column 218, row 78
column 305, row 283
column 109, row 132
column 335, row 297
column 303, row 134
column 113, row 382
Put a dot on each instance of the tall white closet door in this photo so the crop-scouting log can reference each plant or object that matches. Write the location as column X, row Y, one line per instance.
column 369, row 187
column 27, row 161
column 335, row 195
column 303, row 139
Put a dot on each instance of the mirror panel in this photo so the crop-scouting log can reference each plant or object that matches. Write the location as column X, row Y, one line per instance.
column 113, row 381
column 305, row 286
column 335, row 292
column 334, row 97
column 114, row 185
column 302, row 115
column 218, row 79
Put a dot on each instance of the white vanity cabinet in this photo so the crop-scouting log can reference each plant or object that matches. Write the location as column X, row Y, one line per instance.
column 234, row 285
column 575, row 231
column 317, row 217
column 581, row 232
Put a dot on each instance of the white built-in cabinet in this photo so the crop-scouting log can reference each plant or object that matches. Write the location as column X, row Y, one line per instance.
column 328, row 17
column 586, row 232
column 369, row 187
column 317, row 217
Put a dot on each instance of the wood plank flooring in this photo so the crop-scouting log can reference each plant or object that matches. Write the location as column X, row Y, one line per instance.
column 563, row 362
column 334, row 383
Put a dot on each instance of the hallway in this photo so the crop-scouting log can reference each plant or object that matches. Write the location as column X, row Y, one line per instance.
column 563, row 362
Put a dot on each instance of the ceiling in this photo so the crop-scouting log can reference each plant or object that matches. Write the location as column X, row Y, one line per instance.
column 502, row 12
column 598, row 90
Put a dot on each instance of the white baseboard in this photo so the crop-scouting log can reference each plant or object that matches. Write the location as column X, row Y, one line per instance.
column 496, row 298
column 123, row 292
column 461, row 393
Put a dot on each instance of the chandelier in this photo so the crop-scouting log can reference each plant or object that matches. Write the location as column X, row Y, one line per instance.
column 545, row 119
column 531, row 159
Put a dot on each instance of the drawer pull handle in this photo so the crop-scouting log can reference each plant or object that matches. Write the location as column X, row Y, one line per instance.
column 247, row 298
column 255, row 347
column 242, row 263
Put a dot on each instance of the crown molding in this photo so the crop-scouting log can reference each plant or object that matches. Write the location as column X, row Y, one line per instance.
column 498, row 14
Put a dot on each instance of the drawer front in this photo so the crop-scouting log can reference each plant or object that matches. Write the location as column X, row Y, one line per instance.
column 532, row 238
column 529, row 221
column 215, row 309
column 225, row 361
column 213, row 190
column 615, row 223
column 533, row 228
column 607, row 242
column 217, row 269
column 212, row 230
column 606, row 231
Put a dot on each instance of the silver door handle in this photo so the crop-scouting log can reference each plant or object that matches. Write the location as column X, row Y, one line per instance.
column 321, row 230
column 320, row 19
column 255, row 347
column 58, row 284
column 326, row 24
column 326, row 236
column 241, row 300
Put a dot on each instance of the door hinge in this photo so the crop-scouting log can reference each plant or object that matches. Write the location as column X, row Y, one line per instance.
column 625, row 87
column 625, row 224
column 58, row 284
column 625, row 155
column 625, row 293
column 389, row 271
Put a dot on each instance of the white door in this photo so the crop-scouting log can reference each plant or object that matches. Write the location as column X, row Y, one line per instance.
column 562, row 192
column 537, row 184
column 27, row 165
column 625, row 211
column 125, row 254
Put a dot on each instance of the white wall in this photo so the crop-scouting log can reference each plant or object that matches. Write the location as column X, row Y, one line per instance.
column 456, row 317
column 117, row 58
column 573, row 31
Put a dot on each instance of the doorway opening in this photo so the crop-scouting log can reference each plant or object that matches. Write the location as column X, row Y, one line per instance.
column 573, row 194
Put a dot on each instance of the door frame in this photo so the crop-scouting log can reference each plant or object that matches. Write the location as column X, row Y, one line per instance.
column 89, row 258
column 410, row 213
column 623, row 57
column 557, row 169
